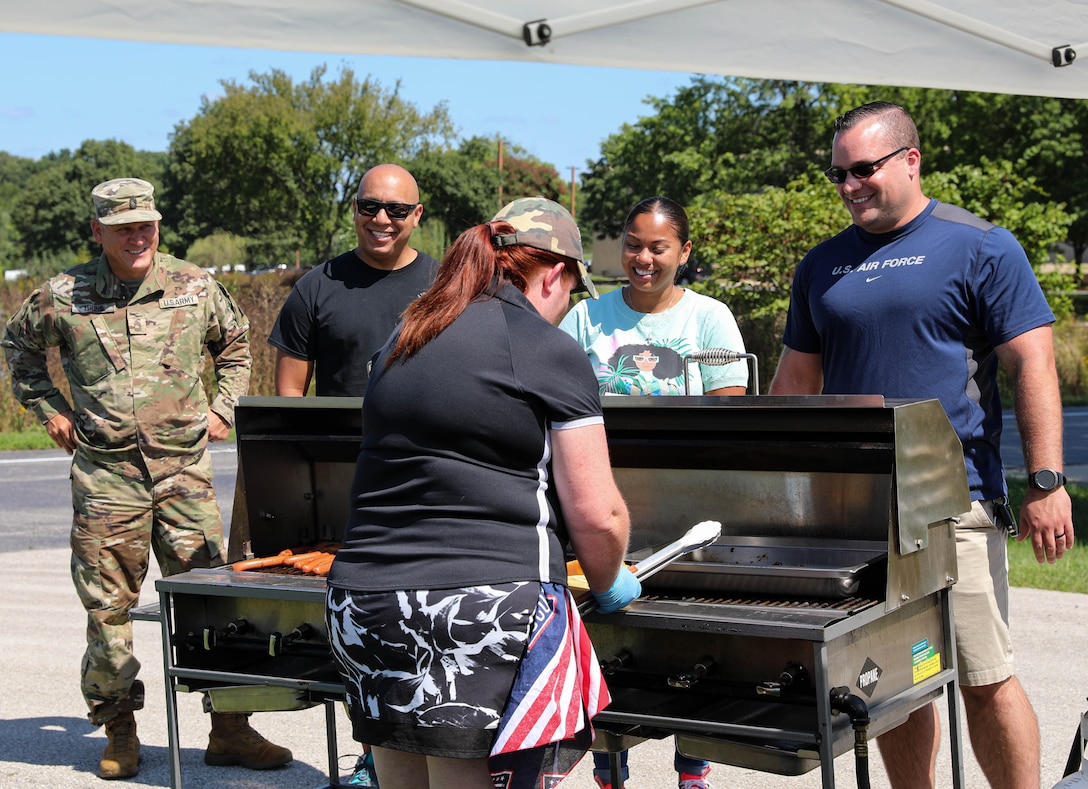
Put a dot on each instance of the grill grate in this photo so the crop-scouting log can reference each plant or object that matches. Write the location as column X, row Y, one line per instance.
column 281, row 570
column 849, row 605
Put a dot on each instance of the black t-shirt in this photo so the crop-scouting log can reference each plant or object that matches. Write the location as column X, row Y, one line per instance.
column 340, row 313
column 453, row 486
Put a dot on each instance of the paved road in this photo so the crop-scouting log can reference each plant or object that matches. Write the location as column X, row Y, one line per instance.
column 47, row 743
column 37, row 502
column 36, row 511
column 1075, row 422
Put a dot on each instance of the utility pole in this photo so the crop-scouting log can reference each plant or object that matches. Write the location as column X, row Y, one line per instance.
column 572, row 214
column 501, row 204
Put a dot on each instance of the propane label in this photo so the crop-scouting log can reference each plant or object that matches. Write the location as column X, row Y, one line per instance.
column 926, row 661
column 868, row 677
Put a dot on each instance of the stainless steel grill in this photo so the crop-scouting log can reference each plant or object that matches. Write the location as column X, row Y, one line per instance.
column 257, row 641
column 828, row 587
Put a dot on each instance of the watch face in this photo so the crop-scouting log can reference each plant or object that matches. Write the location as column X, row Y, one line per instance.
column 1045, row 479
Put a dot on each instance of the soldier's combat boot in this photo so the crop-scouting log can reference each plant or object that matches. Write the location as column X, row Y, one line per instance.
column 234, row 741
column 122, row 754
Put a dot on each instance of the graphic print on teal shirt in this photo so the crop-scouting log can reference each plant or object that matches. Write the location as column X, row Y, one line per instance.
column 643, row 369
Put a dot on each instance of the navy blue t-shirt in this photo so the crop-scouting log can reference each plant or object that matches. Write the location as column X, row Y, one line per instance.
column 453, row 486
column 917, row 313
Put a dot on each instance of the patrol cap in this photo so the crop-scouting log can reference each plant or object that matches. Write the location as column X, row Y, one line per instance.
column 544, row 224
column 123, row 201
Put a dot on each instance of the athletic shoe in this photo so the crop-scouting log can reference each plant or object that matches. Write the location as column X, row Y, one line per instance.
column 364, row 774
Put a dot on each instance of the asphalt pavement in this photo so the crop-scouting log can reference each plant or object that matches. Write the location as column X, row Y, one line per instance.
column 47, row 743
column 45, row 740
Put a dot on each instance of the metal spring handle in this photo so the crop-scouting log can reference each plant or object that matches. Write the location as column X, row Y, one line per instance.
column 718, row 357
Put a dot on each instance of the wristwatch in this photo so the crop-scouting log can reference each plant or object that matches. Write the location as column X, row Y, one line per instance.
column 1046, row 479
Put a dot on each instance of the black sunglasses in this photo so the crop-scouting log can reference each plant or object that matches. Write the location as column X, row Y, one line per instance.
column 392, row 210
column 837, row 175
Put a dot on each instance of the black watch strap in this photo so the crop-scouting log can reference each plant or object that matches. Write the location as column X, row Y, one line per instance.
column 1046, row 479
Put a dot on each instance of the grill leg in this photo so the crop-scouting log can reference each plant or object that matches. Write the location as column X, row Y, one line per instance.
column 330, row 738
column 616, row 776
column 823, row 715
column 166, row 620
column 955, row 730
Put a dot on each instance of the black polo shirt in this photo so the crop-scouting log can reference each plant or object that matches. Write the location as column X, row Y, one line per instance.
column 453, row 486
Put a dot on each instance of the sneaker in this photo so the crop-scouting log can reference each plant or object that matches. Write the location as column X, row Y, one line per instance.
column 601, row 783
column 364, row 774
column 692, row 781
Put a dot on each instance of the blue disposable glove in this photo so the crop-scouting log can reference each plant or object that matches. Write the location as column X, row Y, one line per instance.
column 623, row 590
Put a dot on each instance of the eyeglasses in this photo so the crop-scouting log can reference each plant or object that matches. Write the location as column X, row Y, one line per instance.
column 837, row 175
column 392, row 210
column 645, row 357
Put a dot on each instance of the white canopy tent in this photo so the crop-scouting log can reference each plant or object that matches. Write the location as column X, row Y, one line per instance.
column 1005, row 46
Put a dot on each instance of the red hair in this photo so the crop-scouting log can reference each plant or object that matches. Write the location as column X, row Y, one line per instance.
column 471, row 268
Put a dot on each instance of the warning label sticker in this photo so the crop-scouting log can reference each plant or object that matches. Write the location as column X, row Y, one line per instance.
column 925, row 660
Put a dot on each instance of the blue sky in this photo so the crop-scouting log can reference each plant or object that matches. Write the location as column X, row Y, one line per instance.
column 59, row 91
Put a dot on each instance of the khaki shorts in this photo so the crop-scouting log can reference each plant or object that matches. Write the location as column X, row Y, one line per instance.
column 980, row 599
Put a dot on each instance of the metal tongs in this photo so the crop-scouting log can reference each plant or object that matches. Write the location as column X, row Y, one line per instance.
column 698, row 536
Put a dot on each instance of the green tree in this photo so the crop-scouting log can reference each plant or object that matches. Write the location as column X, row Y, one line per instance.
column 15, row 172
column 52, row 215
column 458, row 187
column 523, row 175
column 1035, row 136
column 752, row 243
column 278, row 162
column 219, row 251
column 996, row 192
column 731, row 135
column 741, row 136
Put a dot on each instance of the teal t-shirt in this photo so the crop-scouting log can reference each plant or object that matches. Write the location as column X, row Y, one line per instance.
column 637, row 353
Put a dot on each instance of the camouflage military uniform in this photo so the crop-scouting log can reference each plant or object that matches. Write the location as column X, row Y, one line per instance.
column 141, row 479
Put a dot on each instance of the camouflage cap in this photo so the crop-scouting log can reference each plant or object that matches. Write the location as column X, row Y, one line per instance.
column 544, row 224
column 123, row 201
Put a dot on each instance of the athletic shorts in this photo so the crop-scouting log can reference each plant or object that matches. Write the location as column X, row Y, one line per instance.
column 430, row 671
column 980, row 599
column 457, row 673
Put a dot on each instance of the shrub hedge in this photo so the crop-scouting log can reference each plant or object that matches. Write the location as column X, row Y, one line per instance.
column 261, row 296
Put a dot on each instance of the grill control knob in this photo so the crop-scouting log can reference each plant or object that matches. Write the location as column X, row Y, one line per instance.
column 236, row 628
column 211, row 636
column 277, row 641
column 698, row 671
column 616, row 662
column 792, row 674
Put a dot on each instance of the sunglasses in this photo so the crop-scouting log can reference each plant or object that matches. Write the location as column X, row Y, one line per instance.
column 837, row 175
column 392, row 210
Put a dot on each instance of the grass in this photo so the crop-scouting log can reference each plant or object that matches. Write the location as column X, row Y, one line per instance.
column 37, row 438
column 33, row 438
column 1068, row 575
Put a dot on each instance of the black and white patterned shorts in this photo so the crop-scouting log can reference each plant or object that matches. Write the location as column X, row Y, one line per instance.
column 430, row 671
